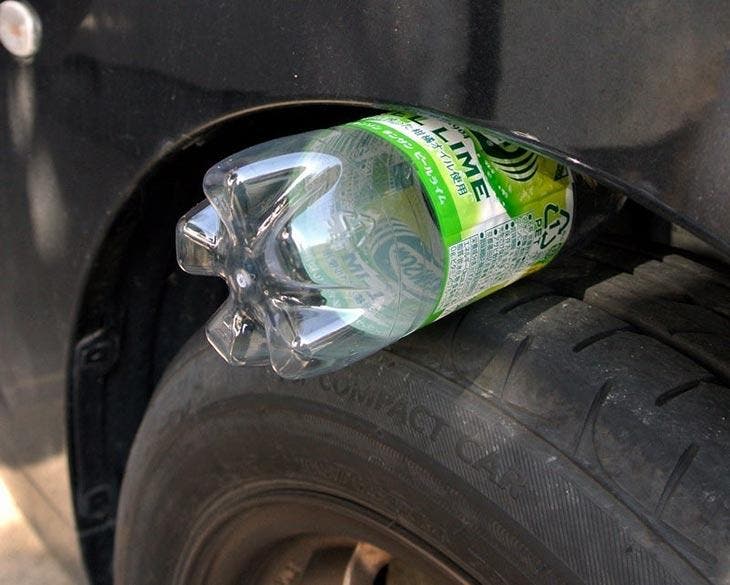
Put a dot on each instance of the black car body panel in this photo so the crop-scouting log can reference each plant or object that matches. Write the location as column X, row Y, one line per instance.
column 637, row 94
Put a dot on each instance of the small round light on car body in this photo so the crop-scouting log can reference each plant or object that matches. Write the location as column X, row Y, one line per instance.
column 20, row 28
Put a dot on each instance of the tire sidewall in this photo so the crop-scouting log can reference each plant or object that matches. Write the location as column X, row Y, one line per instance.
column 384, row 434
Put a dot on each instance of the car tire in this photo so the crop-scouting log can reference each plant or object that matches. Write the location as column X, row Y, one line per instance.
column 571, row 428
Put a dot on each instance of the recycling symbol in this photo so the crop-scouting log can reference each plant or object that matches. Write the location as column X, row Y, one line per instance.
column 556, row 221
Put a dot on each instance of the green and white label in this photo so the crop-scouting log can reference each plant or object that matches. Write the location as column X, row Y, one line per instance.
column 503, row 211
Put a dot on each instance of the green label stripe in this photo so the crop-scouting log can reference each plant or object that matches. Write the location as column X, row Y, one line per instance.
column 430, row 172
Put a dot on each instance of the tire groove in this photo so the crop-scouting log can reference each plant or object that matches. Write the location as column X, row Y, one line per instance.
column 521, row 348
column 526, row 300
column 680, row 389
column 592, row 413
column 595, row 338
column 661, row 335
column 680, row 469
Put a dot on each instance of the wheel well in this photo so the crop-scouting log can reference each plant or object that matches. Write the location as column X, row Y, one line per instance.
column 138, row 309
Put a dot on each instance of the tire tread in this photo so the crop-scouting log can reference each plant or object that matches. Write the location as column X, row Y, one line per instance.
column 640, row 400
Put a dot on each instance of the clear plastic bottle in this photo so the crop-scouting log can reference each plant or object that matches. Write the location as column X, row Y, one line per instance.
column 337, row 242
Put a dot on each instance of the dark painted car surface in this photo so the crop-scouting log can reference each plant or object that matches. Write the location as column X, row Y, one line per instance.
column 635, row 93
